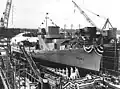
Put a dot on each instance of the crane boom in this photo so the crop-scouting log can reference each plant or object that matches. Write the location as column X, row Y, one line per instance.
column 7, row 13
column 85, row 15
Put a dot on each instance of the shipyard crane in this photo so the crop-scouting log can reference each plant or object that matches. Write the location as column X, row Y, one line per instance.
column 90, row 21
column 106, row 22
column 6, row 13
column 85, row 15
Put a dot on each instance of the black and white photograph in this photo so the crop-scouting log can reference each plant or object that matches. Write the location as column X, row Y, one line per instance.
column 59, row 44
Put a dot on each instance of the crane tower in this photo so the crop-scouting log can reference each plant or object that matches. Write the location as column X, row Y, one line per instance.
column 85, row 15
column 6, row 14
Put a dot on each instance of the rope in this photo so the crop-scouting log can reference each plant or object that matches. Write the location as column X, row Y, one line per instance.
column 50, row 20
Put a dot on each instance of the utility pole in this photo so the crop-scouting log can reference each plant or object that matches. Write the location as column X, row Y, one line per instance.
column 46, row 21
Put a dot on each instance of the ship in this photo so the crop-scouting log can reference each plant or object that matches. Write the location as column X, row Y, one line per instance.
column 76, row 51
column 54, row 49
column 82, row 49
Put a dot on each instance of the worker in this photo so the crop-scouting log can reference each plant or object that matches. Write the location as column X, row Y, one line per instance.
column 45, row 81
column 37, row 45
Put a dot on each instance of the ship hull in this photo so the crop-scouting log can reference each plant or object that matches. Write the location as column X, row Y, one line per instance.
column 60, row 66
column 73, row 57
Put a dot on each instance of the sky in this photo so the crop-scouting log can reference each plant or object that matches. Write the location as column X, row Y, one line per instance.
column 31, row 13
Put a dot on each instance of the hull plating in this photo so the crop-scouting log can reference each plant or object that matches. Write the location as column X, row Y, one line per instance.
column 72, row 57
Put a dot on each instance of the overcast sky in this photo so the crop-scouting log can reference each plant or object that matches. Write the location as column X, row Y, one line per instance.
column 31, row 13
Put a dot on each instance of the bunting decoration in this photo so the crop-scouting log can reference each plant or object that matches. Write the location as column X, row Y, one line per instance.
column 74, row 83
column 99, row 49
column 80, row 83
column 88, row 49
